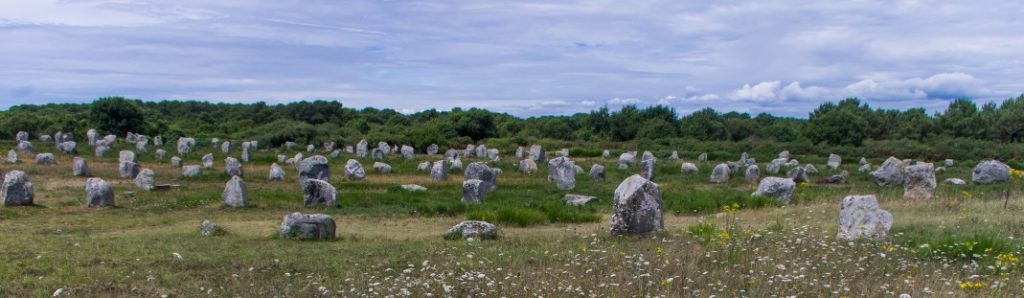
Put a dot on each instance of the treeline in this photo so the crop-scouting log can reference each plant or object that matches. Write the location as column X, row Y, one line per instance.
column 849, row 122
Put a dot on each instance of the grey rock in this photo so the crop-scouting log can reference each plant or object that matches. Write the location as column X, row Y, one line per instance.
column 454, row 164
column 452, row 153
column 753, row 174
column 890, row 173
column 627, row 159
column 720, row 174
column 798, row 174
column 207, row 161
column 647, row 166
column 101, row 150
column 235, row 193
column 520, row 152
column 146, row 179
column 16, row 189
column 597, row 172
column 949, row 163
column 310, row 148
column 674, row 156
column 537, row 154
column 861, row 218
column 810, row 169
column 834, row 161
column 67, row 147
column 382, row 168
column 578, row 200
column 494, row 155
column 12, row 156
column 781, row 189
column 276, row 172
column 423, row 166
column 408, row 152
column 413, row 187
column 689, row 168
column 127, row 169
column 378, row 154
column 98, row 193
column 25, row 146
column 480, row 171
column 175, row 161
column 637, row 207
column 319, row 192
column 92, row 136
column 527, row 166
column 308, row 227
column 562, row 171
column 45, row 159
column 209, row 229
column 354, row 171
column 990, row 171
column 432, row 149
column 289, row 145
column 314, row 167
column 470, row 151
column 606, row 154
column 21, row 136
column 775, row 165
column 472, row 229
column 232, row 167
column 864, row 168
column 160, row 153
column 481, row 151
column 473, row 191
column 863, row 161
column 361, row 148
column 190, row 171
column 919, row 182
column 185, row 145
column 784, row 154
column 702, row 157
column 955, row 181
column 225, row 147
column 157, row 141
column 439, row 171
column 79, row 167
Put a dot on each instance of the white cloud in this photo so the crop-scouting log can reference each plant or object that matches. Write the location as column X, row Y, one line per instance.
column 624, row 101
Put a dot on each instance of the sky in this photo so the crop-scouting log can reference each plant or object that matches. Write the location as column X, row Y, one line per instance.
column 526, row 58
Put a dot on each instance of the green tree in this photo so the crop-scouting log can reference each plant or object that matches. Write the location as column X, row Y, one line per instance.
column 118, row 115
column 837, row 125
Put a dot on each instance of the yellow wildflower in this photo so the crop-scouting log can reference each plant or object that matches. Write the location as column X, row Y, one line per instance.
column 1007, row 259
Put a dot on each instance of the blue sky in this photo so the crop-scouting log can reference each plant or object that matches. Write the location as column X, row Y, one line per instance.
column 522, row 57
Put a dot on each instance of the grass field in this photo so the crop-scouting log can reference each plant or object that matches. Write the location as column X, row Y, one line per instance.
column 965, row 242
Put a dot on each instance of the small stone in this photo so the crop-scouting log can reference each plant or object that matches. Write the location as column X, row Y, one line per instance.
column 578, row 200
column 472, row 229
column 310, row 227
column 235, row 193
column 473, row 191
column 955, row 181
column 597, row 172
column 382, row 168
column 232, row 167
column 689, row 168
column 319, row 192
column 276, row 172
column 781, row 189
column 753, row 174
column 354, row 171
column 45, row 159
column 98, row 193
column 209, row 229
column 146, row 179
column 190, row 171
column 439, row 171
column 720, row 174
column 79, row 167
column 413, row 187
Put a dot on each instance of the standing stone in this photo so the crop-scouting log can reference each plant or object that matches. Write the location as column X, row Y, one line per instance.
column 246, row 155
column 92, row 135
column 235, row 193
column 208, row 161
column 781, row 189
column 470, row 151
column 17, row 189
column 784, row 154
column 753, row 173
column 142, row 145
column 296, row 160
column 647, row 167
column 480, row 171
column 864, row 168
column 225, row 147
column 597, row 172
column 289, row 145
column 233, row 167
column 276, row 172
column 919, row 182
column 834, row 161
column 314, row 167
column 860, row 217
column 481, row 151
column 949, row 163
column 378, row 154
column 127, row 169
column 146, row 179
column 319, row 192
column 863, row 161
column 408, row 152
column 606, row 154
column 423, row 166
column 68, row 147
column 627, row 159
column 158, row 141
column 493, row 155
column 190, row 171
column 175, row 161
column 810, row 169
column 45, row 159
column 21, row 136
column 439, row 171
column 775, row 165
column 160, row 153
column 562, row 171
column 720, row 174
column 798, row 174
column 579, row 169
column 12, row 156
column 734, row 168
column 527, row 166
column 537, row 154
column 520, row 152
column 110, row 139
column 454, row 164
column 185, row 145
column 990, row 171
column 702, row 157
column 98, row 193
column 354, row 171
column 336, row 153
column 79, row 168
column 674, row 156
column 25, row 146
column 473, row 191
column 432, row 149
column 637, row 207
column 472, row 229
column 689, row 168
column 310, row 148
column 382, row 168
column 384, row 147
column 308, row 227
column 350, row 149
column 890, row 173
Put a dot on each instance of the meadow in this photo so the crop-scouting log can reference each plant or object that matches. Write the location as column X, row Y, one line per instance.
column 717, row 241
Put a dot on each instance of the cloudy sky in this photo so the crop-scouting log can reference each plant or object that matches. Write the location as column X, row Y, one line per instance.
column 522, row 57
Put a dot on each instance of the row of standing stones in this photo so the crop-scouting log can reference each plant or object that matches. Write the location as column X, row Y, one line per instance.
column 636, row 205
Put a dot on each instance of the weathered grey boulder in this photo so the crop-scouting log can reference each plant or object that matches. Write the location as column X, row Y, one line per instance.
column 209, row 229
column 454, row 164
column 423, row 166
column 12, row 156
column 413, row 187
column 606, row 154
column 452, row 153
column 157, row 141
column 689, row 168
column 207, row 161
column 92, row 136
column 146, row 179
column 472, row 229
column 361, row 148
column 527, row 166
column 294, row 161
column 834, row 161
column 792, row 163
column 473, row 191
column 246, row 155
column 160, row 153
column 276, row 172
column 408, row 152
column 185, row 145
column 378, row 154
column 110, row 139
column 890, row 173
column 470, row 151
column 480, row 171
column 627, row 159
column 798, row 174
column 68, row 147
column 314, row 167
column 101, row 150
column 784, row 154
column 781, row 189
column 753, row 174
column 439, row 171
column 233, row 167
column 775, row 165
column 647, row 167
column 25, row 146
column 354, row 170
column 481, row 151
column 864, row 168
column 919, row 182
column 637, row 207
column 127, row 169
column 384, row 147
column 350, row 149
column 45, row 159
column 21, row 136
column 597, row 172
column 674, row 156
column 382, row 168
column 949, row 163
column 319, row 192
column 863, row 161
column 955, row 181
column 310, row 148
column 79, row 168
column 537, row 153
column 835, row 179
column 702, row 157
column 235, row 193
column 282, row 158
column 810, row 169
column 562, row 171
column 16, row 189
column 336, row 153
column 860, row 217
column 190, row 171
column 225, row 147
column 309, row 227
column 432, row 149
column 175, row 161
column 493, row 154
column 734, row 168
column 289, row 145
column 98, row 193
column 142, row 144
column 520, row 152
column 578, row 200
column 990, row 171
column 720, row 174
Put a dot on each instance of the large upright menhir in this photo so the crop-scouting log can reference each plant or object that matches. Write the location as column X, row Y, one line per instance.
column 637, row 207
